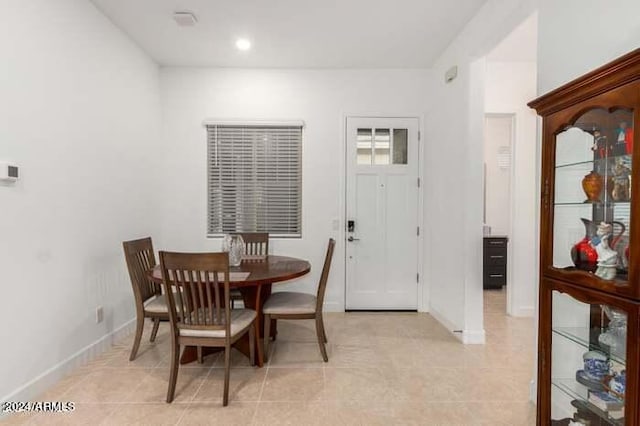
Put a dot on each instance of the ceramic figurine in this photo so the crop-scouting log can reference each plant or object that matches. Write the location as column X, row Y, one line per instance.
column 600, row 145
column 621, row 182
column 607, row 257
column 624, row 139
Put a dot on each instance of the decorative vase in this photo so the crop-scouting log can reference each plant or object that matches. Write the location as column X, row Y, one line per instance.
column 234, row 244
column 615, row 336
column 583, row 254
column 592, row 186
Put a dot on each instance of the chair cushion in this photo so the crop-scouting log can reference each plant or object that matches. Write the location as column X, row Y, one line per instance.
column 240, row 318
column 158, row 304
column 289, row 302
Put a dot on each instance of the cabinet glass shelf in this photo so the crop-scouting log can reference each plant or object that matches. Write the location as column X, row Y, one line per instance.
column 578, row 392
column 609, row 203
column 597, row 162
column 585, row 338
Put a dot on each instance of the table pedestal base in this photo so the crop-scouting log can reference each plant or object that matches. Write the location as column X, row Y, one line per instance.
column 253, row 298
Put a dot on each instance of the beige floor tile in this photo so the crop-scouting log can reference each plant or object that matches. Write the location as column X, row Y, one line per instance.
column 513, row 357
column 291, row 413
column 428, row 385
column 245, row 384
column 238, row 359
column 208, row 361
column 153, row 387
column 158, row 414
column 365, row 413
column 108, row 385
column 490, row 384
column 345, row 355
column 504, row 414
column 432, row 413
column 213, row 413
column 147, row 357
column 58, row 390
column 384, row 368
column 84, row 414
column 355, row 383
column 15, row 419
column 301, row 331
column 295, row 354
column 430, row 354
column 293, row 384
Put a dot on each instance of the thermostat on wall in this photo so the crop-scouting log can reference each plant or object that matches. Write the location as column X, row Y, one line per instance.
column 8, row 172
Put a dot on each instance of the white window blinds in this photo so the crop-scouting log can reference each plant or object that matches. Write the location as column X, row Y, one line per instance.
column 255, row 179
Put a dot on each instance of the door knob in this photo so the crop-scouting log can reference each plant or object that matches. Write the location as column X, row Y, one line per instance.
column 351, row 239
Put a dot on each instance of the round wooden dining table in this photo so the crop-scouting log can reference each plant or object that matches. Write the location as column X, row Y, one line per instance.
column 255, row 290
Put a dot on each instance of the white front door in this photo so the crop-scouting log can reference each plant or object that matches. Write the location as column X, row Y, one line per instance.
column 382, row 213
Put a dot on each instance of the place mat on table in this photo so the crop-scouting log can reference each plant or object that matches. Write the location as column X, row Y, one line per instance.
column 235, row 276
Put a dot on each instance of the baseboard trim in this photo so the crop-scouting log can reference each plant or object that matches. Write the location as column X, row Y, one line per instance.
column 451, row 327
column 533, row 391
column 332, row 307
column 468, row 337
column 44, row 381
column 473, row 337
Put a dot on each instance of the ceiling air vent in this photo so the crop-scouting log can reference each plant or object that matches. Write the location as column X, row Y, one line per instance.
column 185, row 19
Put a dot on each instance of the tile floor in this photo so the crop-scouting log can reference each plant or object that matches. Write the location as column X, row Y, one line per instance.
column 384, row 368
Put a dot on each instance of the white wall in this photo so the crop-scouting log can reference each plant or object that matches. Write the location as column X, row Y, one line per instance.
column 453, row 210
column 577, row 36
column 80, row 116
column 498, row 135
column 321, row 98
column 509, row 86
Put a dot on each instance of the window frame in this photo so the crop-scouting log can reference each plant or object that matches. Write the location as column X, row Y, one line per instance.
column 252, row 124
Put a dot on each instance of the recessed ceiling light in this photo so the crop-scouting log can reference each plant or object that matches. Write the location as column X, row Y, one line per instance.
column 185, row 18
column 243, row 44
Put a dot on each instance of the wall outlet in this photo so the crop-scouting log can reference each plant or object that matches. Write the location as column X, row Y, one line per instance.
column 99, row 314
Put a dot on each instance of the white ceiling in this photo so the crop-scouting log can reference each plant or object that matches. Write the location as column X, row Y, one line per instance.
column 294, row 33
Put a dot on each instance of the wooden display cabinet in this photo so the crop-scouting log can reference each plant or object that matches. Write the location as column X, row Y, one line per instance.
column 589, row 267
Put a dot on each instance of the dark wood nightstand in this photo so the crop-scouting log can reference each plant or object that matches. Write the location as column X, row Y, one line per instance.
column 494, row 262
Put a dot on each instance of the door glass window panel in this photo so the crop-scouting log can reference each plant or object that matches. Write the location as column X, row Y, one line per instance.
column 592, row 194
column 400, row 146
column 382, row 146
column 365, row 146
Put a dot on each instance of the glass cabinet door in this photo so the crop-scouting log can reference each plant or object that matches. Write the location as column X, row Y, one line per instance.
column 592, row 195
column 588, row 362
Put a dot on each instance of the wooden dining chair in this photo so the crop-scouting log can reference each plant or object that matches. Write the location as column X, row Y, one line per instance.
column 293, row 305
column 255, row 244
column 150, row 303
column 202, row 316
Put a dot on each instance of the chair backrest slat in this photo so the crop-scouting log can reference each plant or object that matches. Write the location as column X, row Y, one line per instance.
column 195, row 276
column 255, row 243
column 322, row 286
column 140, row 259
